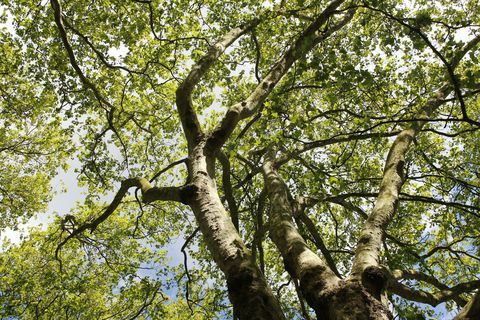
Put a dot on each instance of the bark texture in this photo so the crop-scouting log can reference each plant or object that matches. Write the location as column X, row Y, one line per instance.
column 349, row 300
column 472, row 310
column 247, row 287
column 330, row 297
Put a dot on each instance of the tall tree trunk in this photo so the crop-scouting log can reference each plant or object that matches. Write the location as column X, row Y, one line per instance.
column 330, row 297
column 247, row 288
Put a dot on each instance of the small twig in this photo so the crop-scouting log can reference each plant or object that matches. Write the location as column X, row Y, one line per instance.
column 187, row 241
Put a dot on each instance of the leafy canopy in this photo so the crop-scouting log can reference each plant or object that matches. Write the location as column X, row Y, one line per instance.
column 112, row 107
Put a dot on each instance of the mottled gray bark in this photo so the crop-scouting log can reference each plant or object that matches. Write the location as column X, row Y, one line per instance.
column 472, row 310
column 325, row 292
column 248, row 291
column 444, row 292
column 366, row 262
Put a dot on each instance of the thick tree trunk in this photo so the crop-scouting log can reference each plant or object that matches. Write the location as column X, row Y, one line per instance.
column 248, row 291
column 330, row 297
column 366, row 264
column 349, row 300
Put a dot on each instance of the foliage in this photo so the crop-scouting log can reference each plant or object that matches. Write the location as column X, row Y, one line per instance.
column 110, row 103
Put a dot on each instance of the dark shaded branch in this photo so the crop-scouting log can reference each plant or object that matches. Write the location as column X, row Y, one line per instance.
column 171, row 165
column 189, row 279
column 149, row 193
column 471, row 310
column 57, row 9
column 299, row 211
column 420, row 276
column 450, row 66
column 227, row 188
column 258, row 56
column 147, row 302
column 329, row 141
column 301, row 300
column 260, row 230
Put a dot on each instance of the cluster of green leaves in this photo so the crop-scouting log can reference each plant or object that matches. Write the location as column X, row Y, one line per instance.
column 32, row 136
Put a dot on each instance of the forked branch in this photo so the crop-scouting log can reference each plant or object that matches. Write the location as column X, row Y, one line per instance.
column 188, row 116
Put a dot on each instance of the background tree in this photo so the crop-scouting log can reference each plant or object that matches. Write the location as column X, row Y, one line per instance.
column 320, row 159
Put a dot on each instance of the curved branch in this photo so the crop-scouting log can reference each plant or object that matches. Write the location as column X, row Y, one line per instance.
column 149, row 193
column 432, row 299
column 471, row 310
column 188, row 116
column 299, row 210
column 189, row 279
column 450, row 66
column 333, row 140
column 57, row 9
column 300, row 261
column 370, row 241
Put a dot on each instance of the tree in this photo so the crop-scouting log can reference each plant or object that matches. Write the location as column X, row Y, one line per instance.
column 331, row 145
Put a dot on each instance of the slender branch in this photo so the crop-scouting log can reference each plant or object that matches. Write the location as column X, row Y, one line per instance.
column 258, row 55
column 432, row 299
column 299, row 210
column 450, row 66
column 471, row 310
column 149, row 193
column 147, row 302
column 171, row 165
column 301, row 300
column 57, row 9
column 333, row 140
column 227, row 188
column 189, row 279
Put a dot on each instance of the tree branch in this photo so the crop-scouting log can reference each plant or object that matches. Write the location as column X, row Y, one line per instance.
column 432, row 299
column 299, row 210
column 57, row 9
column 471, row 310
column 227, row 188
column 149, row 194
column 185, row 265
column 370, row 240
column 300, row 262
column 450, row 66
column 309, row 38
column 188, row 116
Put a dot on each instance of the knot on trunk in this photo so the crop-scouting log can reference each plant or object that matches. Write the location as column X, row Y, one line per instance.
column 375, row 280
column 188, row 193
column 313, row 285
column 349, row 300
column 248, row 294
column 240, row 277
